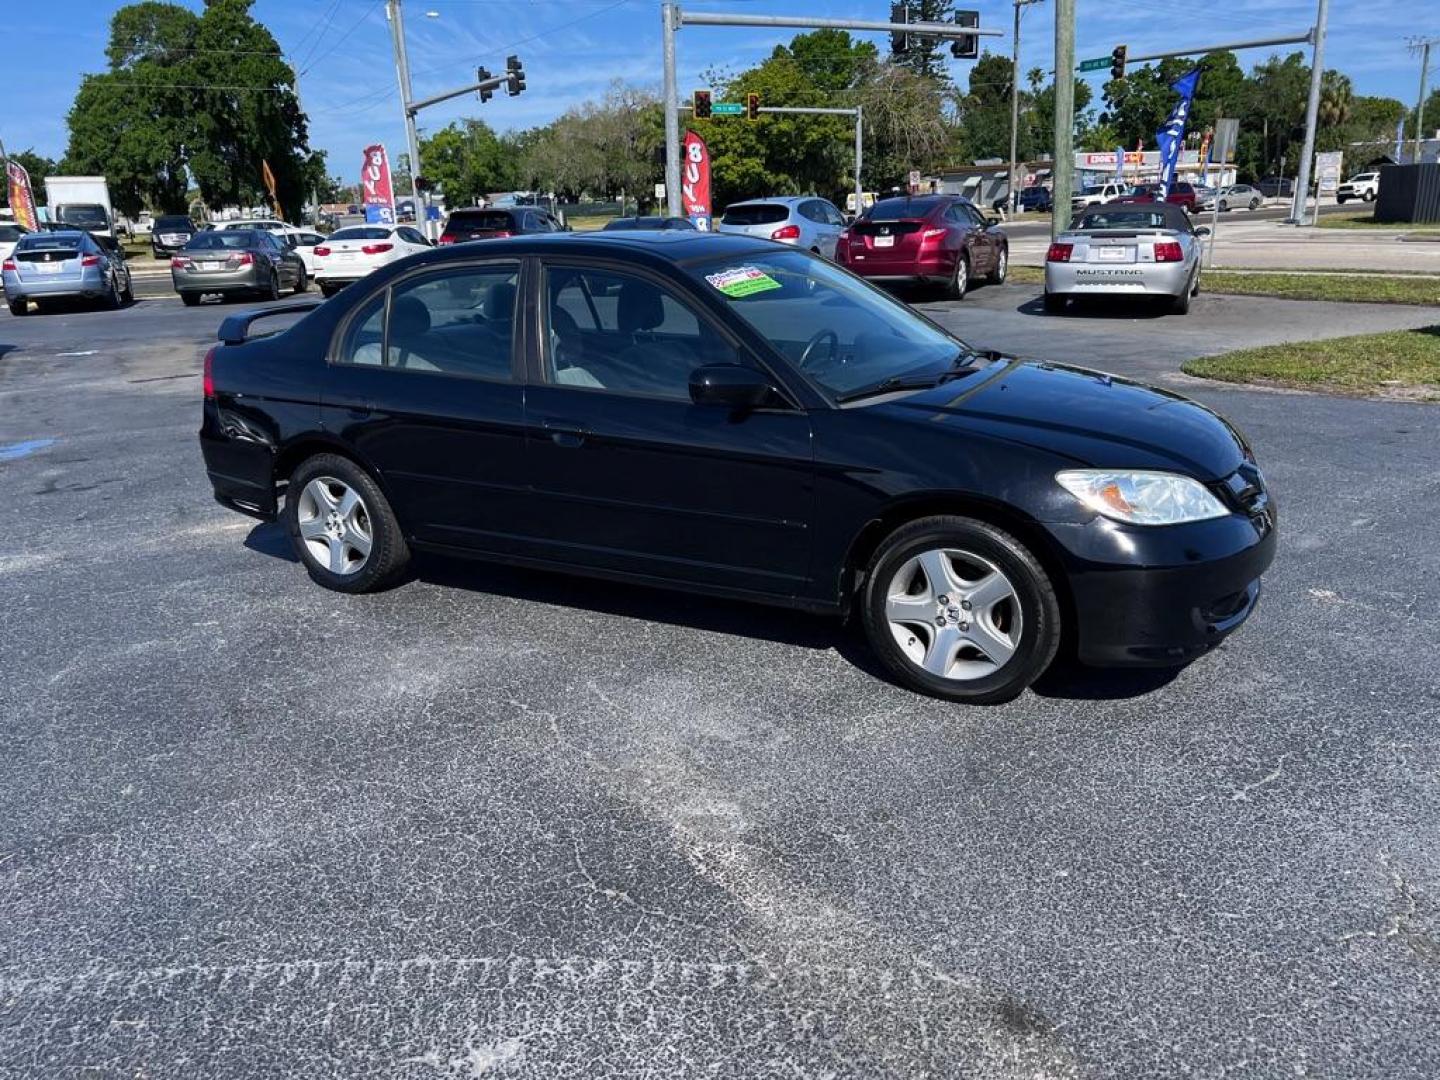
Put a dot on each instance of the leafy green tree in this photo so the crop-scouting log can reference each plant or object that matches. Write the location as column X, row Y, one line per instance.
column 982, row 114
column 467, row 160
column 1042, row 112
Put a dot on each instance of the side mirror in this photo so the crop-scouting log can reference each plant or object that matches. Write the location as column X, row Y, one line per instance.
column 731, row 386
column 1203, row 230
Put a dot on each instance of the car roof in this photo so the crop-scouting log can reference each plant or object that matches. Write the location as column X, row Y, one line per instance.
column 51, row 234
column 786, row 200
column 658, row 245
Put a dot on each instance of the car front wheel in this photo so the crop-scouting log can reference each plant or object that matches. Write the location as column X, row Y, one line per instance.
column 959, row 609
column 960, row 279
column 342, row 527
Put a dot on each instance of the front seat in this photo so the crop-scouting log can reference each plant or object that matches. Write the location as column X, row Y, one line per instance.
column 648, row 362
column 409, row 323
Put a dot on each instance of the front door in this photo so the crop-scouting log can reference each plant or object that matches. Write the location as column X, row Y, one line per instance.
column 424, row 386
column 628, row 473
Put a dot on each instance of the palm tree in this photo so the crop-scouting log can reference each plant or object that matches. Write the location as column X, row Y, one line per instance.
column 1336, row 97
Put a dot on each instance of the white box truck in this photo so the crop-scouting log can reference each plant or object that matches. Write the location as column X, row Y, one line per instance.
column 82, row 201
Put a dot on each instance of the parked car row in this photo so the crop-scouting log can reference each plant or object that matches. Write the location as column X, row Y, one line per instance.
column 65, row 265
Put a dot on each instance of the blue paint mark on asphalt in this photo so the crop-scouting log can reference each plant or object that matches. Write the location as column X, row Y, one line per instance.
column 15, row 451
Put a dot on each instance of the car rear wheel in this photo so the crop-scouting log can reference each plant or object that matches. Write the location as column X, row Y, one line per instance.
column 1254, row 203
column 342, row 527
column 113, row 299
column 19, row 307
column 302, row 282
column 272, row 290
column 190, row 299
column 1054, row 303
column 959, row 609
column 960, row 278
column 327, row 291
column 1369, row 196
column 1180, row 305
column 1002, row 267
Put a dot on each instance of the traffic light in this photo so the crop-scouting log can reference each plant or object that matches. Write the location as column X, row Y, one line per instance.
column 752, row 106
column 899, row 40
column 966, row 48
column 422, row 184
column 517, row 75
column 483, row 75
column 701, row 104
column 1117, row 62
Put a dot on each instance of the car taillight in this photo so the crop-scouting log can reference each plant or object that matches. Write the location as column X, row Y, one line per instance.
column 179, row 262
column 90, row 260
column 503, row 234
column 1059, row 252
column 209, row 381
column 322, row 250
column 9, row 264
column 246, row 258
column 377, row 249
column 931, row 234
column 786, row 232
column 1170, row 252
column 442, row 241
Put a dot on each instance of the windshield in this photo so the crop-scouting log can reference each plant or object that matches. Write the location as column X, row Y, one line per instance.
column 174, row 223
column 233, row 239
column 842, row 333
column 87, row 217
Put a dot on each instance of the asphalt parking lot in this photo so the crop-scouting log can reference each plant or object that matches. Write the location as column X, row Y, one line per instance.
column 505, row 823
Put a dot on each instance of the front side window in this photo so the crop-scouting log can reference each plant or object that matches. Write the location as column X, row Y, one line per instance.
column 843, row 334
column 454, row 322
column 608, row 330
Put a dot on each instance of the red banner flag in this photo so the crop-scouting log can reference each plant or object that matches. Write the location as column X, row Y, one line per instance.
column 375, row 180
column 22, row 198
column 695, row 180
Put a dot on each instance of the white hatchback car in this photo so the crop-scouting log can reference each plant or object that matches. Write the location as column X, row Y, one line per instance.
column 349, row 254
column 303, row 242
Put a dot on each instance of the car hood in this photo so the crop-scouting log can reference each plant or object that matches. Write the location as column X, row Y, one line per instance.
column 1089, row 417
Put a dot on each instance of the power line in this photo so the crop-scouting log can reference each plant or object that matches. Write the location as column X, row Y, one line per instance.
column 323, row 23
column 343, row 37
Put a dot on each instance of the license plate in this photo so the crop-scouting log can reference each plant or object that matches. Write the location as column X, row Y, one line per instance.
column 884, row 241
column 208, row 265
column 49, row 267
column 1113, row 254
column 345, row 255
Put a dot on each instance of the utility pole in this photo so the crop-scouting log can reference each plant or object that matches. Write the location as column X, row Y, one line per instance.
column 1312, row 112
column 402, row 73
column 1064, row 155
column 1423, row 45
column 672, row 112
column 1015, row 104
column 315, row 191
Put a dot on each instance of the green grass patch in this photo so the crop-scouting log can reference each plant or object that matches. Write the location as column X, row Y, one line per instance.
column 589, row 224
column 1365, row 219
column 1401, row 363
column 1345, row 288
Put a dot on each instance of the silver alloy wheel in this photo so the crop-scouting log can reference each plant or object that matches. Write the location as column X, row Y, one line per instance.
column 335, row 525
column 962, row 275
column 954, row 613
column 1003, row 265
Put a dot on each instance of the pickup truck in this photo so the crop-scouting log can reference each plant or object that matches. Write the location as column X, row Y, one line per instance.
column 1365, row 186
column 1097, row 194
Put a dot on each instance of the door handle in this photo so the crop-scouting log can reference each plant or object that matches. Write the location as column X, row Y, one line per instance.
column 564, row 432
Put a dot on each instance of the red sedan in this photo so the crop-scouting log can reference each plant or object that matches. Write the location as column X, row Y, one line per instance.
column 1182, row 194
column 936, row 239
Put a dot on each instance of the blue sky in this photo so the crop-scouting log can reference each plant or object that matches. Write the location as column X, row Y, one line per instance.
column 573, row 48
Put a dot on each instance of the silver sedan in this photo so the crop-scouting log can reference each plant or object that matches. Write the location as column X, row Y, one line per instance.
column 1142, row 250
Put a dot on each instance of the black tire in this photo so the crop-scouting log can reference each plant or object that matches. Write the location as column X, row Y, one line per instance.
column 190, row 299
column 128, row 296
column 18, row 307
column 1254, row 203
column 389, row 554
column 1340, row 200
column 1369, row 196
column 327, row 291
column 959, row 283
column 1054, row 304
column 1180, row 305
column 1039, row 608
column 1224, row 206
column 272, row 291
column 302, row 282
column 1002, row 267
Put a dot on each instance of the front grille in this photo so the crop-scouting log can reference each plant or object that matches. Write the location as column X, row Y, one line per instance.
column 1244, row 490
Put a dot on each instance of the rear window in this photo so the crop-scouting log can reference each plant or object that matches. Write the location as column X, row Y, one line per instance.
column 11, row 232
column 1123, row 218
column 219, row 241
column 480, row 220
column 48, row 242
column 170, row 224
column 895, row 209
column 361, row 232
column 755, row 214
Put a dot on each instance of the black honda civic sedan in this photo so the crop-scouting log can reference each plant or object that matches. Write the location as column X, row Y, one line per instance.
column 730, row 416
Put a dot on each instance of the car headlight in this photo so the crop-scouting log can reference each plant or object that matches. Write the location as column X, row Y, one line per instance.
column 1142, row 498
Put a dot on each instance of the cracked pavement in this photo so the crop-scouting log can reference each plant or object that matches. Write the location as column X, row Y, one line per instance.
column 502, row 823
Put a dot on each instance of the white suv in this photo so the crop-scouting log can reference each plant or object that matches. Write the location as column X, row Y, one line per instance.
column 1097, row 194
column 1365, row 185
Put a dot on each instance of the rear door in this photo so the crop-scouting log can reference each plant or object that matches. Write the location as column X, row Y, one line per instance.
column 424, row 383
column 979, row 240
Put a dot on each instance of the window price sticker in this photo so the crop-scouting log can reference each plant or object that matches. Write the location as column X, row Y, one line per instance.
column 742, row 281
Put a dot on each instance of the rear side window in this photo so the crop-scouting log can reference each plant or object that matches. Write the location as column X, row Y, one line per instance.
column 755, row 214
column 455, row 322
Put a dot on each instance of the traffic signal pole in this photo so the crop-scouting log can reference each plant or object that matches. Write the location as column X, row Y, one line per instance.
column 1312, row 111
column 672, row 19
column 396, row 19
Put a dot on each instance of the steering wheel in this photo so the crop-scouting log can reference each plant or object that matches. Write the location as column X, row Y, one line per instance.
column 816, row 339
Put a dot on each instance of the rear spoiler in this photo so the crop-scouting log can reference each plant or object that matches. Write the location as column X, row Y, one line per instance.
column 235, row 328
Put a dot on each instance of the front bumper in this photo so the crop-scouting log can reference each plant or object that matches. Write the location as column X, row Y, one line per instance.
column 1164, row 595
column 1127, row 279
